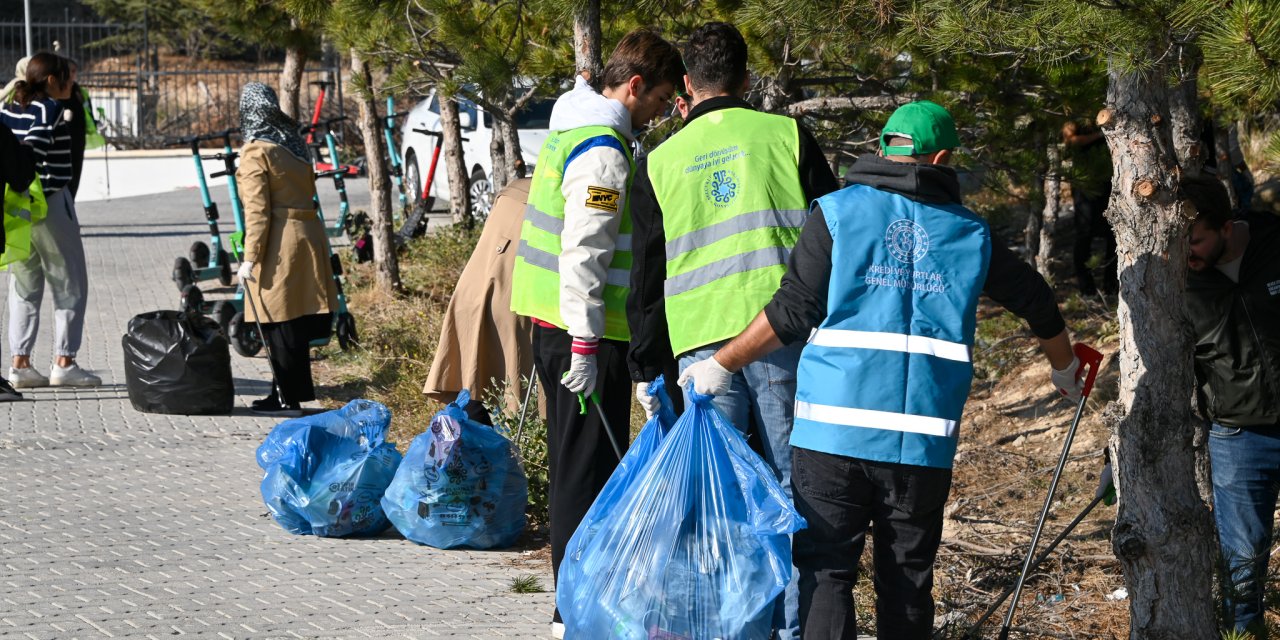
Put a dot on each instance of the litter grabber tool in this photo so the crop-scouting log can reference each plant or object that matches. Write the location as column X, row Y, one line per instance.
column 524, row 406
column 972, row 633
column 1090, row 358
column 608, row 428
column 257, row 320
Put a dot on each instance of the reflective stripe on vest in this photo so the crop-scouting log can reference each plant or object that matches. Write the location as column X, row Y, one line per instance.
column 886, row 375
column 535, row 288
column 732, row 207
column 21, row 211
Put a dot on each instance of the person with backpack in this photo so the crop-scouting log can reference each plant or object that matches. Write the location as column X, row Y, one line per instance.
column 883, row 288
column 38, row 119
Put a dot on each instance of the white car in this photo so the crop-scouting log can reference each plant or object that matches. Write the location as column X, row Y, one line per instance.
column 417, row 148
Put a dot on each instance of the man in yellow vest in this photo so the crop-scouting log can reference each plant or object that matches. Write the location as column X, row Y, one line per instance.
column 17, row 172
column 571, row 271
column 716, row 210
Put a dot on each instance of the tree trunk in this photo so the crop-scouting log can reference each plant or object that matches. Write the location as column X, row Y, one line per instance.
column 385, row 264
column 586, row 42
column 508, row 163
column 1184, row 112
column 1035, row 206
column 454, row 164
column 295, row 62
column 777, row 94
column 1221, row 146
column 1163, row 533
column 1052, row 208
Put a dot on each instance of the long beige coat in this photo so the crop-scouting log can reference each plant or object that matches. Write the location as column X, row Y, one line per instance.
column 283, row 236
column 480, row 337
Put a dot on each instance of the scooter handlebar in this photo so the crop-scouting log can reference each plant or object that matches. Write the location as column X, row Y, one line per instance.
column 1088, row 357
column 308, row 128
column 435, row 134
column 330, row 173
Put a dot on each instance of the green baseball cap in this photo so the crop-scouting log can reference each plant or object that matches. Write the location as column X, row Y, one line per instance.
column 928, row 126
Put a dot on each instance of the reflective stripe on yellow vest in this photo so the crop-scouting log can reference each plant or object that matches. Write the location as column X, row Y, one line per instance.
column 732, row 206
column 535, row 283
column 21, row 210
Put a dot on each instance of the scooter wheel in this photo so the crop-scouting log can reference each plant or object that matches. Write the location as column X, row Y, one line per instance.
column 199, row 254
column 192, row 302
column 346, row 331
column 222, row 312
column 224, row 276
column 183, row 274
column 244, row 336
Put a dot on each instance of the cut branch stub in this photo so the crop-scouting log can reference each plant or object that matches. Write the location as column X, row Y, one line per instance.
column 1156, row 119
column 1146, row 188
column 1106, row 118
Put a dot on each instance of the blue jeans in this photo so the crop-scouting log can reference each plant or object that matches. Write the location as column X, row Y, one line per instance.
column 763, row 396
column 1246, row 483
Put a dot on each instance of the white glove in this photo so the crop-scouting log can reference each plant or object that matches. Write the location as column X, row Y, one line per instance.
column 245, row 272
column 647, row 402
column 581, row 377
column 708, row 377
column 1069, row 381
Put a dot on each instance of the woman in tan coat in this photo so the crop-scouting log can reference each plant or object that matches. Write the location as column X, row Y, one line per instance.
column 285, row 269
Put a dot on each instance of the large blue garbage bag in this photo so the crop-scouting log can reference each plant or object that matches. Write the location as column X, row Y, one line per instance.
column 325, row 474
column 461, row 485
column 695, row 546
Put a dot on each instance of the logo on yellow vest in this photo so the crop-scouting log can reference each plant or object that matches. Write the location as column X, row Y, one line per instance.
column 602, row 199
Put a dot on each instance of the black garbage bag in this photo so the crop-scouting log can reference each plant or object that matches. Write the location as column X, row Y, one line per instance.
column 177, row 363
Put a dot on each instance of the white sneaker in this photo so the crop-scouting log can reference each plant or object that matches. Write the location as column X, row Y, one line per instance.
column 26, row 378
column 72, row 376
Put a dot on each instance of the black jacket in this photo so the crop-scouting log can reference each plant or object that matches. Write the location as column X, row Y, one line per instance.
column 800, row 304
column 650, row 348
column 1237, row 333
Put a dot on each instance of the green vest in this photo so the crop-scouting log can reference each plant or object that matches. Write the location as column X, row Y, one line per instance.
column 535, row 283
column 92, row 138
column 732, row 206
column 21, row 210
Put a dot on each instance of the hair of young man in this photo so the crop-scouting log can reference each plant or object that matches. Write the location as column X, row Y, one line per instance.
column 646, row 54
column 40, row 68
column 1213, row 204
column 898, row 141
column 716, row 59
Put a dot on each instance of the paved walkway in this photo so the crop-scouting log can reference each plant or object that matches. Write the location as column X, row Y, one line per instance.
column 115, row 523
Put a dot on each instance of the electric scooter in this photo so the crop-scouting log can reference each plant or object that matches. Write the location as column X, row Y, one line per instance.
column 339, row 226
column 416, row 224
column 393, row 154
column 209, row 261
column 316, row 159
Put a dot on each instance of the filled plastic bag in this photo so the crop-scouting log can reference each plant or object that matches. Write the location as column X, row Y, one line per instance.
column 177, row 363
column 461, row 485
column 695, row 545
column 326, row 473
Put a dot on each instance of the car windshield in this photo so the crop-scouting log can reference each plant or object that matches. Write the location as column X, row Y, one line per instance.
column 536, row 114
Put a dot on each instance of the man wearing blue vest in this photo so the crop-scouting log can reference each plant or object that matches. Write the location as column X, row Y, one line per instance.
column 888, row 271
column 716, row 208
column 570, row 274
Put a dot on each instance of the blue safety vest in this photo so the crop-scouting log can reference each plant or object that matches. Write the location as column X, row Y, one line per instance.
column 886, row 375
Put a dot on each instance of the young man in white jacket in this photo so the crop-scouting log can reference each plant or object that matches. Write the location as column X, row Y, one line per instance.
column 573, row 266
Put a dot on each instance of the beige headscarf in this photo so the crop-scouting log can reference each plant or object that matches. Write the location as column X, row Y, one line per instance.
column 20, row 73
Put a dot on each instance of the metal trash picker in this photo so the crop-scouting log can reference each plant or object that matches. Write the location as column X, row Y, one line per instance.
column 1090, row 358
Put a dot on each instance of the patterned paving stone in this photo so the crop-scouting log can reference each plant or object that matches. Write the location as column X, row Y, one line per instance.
column 119, row 524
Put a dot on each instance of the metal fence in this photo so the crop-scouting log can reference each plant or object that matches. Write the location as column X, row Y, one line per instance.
column 142, row 103
column 156, row 107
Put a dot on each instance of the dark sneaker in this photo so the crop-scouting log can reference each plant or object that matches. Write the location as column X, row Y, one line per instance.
column 270, row 406
column 7, row 392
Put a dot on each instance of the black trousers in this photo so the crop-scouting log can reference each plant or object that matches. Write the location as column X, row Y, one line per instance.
column 1090, row 223
column 840, row 497
column 580, row 457
column 290, row 354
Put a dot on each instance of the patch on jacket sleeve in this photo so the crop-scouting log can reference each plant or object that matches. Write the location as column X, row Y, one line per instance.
column 602, row 199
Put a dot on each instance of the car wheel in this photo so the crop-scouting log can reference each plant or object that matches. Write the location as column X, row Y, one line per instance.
column 481, row 191
column 412, row 178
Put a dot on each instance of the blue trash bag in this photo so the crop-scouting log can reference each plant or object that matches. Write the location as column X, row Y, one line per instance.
column 325, row 474
column 461, row 485
column 696, row 546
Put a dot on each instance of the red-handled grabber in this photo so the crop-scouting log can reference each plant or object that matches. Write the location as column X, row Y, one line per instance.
column 1090, row 358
